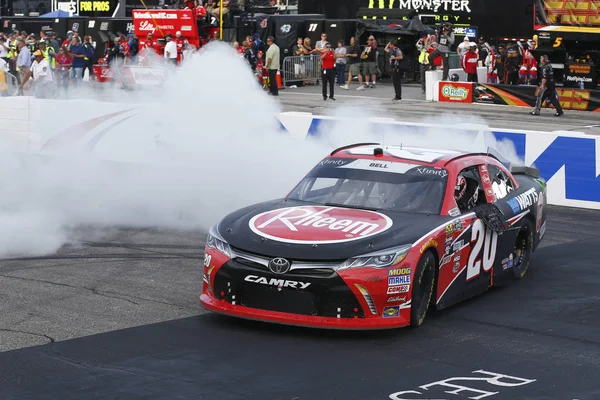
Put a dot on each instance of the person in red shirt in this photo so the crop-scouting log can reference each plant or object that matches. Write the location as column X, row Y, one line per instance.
column 125, row 43
column 437, row 62
column 148, row 44
column 328, row 63
column 180, row 42
column 469, row 63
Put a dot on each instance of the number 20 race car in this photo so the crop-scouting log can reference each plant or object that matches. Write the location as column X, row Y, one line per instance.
column 375, row 235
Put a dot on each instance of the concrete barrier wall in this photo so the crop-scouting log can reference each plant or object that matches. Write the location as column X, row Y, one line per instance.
column 567, row 160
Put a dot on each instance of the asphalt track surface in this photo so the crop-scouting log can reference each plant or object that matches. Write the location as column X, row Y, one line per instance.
column 118, row 318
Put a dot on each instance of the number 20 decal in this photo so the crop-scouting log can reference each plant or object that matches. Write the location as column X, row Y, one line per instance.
column 486, row 238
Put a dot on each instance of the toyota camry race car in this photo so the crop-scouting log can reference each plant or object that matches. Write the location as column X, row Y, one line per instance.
column 375, row 235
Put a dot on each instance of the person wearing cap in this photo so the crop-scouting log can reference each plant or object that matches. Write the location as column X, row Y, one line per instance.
column 48, row 53
column 444, row 40
column 469, row 63
column 180, row 42
column 43, row 82
column 68, row 40
column 396, row 58
column 462, row 48
column 171, row 50
column 547, row 90
column 482, row 49
column 512, row 64
column 500, row 64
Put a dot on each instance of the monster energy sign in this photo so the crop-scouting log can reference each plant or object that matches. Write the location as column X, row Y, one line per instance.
column 435, row 6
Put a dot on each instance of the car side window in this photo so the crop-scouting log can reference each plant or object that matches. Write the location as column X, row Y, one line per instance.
column 501, row 183
column 468, row 191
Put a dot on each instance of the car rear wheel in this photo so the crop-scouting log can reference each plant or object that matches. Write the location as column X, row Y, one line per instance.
column 522, row 250
column 422, row 292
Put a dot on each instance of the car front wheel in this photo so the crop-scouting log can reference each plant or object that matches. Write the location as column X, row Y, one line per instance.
column 422, row 291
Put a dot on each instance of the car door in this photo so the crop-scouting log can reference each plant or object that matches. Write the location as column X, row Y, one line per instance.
column 470, row 252
column 502, row 188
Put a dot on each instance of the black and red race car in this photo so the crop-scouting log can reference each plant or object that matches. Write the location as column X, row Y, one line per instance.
column 375, row 235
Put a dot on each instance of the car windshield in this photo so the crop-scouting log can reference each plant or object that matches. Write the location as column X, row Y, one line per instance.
column 377, row 185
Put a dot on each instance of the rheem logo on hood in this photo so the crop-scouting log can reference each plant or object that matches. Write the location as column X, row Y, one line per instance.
column 319, row 224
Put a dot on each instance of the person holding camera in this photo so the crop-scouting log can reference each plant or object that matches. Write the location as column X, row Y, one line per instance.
column 445, row 40
column 329, row 72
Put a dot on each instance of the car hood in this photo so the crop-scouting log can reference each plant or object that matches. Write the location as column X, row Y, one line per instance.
column 305, row 231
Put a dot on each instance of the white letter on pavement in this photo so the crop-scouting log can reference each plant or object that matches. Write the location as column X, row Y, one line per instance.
column 459, row 388
column 495, row 380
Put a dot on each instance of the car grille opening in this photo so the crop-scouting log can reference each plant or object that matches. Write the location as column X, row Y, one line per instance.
column 326, row 296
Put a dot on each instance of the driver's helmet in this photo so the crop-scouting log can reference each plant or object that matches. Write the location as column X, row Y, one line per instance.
column 460, row 188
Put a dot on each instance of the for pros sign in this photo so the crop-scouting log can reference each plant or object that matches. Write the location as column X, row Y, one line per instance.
column 456, row 92
column 318, row 224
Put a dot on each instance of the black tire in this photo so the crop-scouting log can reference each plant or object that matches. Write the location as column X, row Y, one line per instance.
column 423, row 286
column 523, row 249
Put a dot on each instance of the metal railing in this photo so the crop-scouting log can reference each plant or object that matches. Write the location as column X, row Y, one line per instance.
column 301, row 69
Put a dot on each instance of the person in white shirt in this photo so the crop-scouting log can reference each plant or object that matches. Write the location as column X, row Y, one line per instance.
column 463, row 48
column 321, row 45
column 3, row 48
column 42, row 77
column 4, row 66
column 171, row 50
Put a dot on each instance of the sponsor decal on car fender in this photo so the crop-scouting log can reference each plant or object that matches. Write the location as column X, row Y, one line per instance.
column 399, row 271
column 319, row 224
column 523, row 201
column 398, row 280
column 391, row 311
column 398, row 289
column 396, row 299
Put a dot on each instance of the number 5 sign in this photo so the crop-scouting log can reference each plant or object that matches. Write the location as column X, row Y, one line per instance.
column 481, row 236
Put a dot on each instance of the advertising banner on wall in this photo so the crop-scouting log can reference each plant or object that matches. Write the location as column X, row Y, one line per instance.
column 456, row 92
column 162, row 22
column 525, row 96
column 91, row 8
column 578, row 16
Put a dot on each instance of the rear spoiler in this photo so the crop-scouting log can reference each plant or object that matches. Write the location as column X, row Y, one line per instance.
column 524, row 170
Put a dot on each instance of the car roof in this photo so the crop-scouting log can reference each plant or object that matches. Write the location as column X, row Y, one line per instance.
column 403, row 154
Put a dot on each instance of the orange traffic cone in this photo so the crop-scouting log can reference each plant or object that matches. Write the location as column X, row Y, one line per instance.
column 279, row 83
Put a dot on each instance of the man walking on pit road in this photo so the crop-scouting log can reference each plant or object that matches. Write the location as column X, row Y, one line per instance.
column 547, row 90
column 273, row 62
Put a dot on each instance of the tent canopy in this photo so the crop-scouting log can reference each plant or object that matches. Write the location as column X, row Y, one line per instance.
column 58, row 14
